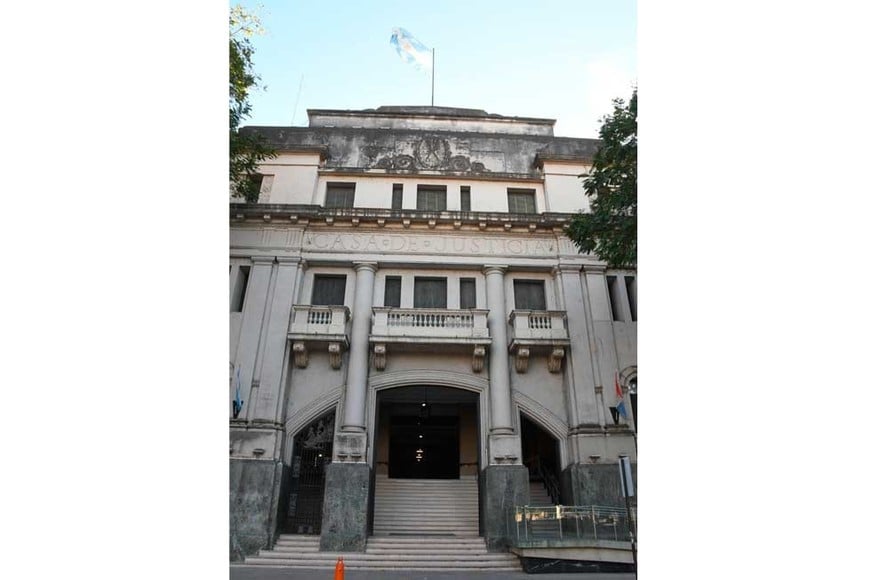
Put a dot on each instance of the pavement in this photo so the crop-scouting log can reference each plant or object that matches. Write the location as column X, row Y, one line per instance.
column 242, row 572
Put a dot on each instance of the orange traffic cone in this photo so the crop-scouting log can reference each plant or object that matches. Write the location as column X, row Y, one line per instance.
column 339, row 569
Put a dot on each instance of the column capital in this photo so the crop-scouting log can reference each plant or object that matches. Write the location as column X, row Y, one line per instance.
column 594, row 268
column 494, row 269
column 262, row 259
column 567, row 269
column 288, row 260
column 360, row 266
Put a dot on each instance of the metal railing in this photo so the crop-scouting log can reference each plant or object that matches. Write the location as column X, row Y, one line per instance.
column 532, row 524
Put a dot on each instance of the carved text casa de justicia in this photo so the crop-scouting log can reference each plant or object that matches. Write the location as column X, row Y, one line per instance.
column 341, row 242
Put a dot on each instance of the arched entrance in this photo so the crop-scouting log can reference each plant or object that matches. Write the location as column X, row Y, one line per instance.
column 427, row 432
column 426, row 457
column 541, row 457
column 312, row 452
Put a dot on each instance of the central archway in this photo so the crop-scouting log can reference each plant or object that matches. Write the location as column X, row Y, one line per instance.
column 426, row 432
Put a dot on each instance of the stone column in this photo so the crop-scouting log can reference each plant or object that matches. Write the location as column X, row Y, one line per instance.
column 505, row 481
column 499, row 361
column 348, row 478
column 358, row 362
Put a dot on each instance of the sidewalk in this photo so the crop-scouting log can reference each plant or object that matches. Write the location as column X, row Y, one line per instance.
column 242, row 572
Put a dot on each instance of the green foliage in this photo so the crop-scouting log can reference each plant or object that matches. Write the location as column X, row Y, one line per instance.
column 246, row 151
column 609, row 230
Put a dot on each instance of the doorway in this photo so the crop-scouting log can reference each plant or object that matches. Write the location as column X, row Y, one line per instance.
column 427, row 432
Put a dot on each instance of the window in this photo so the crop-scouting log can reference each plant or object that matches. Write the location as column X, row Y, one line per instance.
column 465, row 198
column 397, row 196
column 529, row 295
column 237, row 300
column 615, row 305
column 393, row 291
column 328, row 290
column 467, row 293
column 257, row 181
column 631, row 290
column 432, row 197
column 632, row 395
column 339, row 195
column 521, row 201
column 430, row 292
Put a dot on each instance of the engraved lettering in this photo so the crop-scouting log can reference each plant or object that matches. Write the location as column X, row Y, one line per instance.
column 321, row 242
column 515, row 246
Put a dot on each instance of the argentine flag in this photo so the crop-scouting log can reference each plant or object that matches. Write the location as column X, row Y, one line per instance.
column 410, row 49
column 620, row 401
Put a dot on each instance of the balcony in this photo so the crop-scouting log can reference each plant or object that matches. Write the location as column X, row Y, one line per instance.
column 319, row 328
column 540, row 331
column 406, row 328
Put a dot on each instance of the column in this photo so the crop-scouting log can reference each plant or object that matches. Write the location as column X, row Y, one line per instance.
column 347, row 490
column 499, row 361
column 505, row 480
column 275, row 346
column 358, row 362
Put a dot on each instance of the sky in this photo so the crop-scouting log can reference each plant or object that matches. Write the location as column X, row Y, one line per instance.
column 558, row 59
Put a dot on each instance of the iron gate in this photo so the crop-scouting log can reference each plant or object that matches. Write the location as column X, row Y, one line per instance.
column 312, row 452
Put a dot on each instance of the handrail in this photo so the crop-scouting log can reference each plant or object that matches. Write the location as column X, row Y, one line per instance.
column 551, row 483
column 534, row 524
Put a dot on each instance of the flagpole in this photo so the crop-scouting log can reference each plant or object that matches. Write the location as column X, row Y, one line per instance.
column 433, row 77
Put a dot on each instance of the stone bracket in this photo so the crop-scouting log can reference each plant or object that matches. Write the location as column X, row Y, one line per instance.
column 335, row 355
column 380, row 358
column 477, row 358
column 554, row 362
column 521, row 359
column 300, row 355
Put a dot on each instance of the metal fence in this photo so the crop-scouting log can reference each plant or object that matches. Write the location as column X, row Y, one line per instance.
column 532, row 524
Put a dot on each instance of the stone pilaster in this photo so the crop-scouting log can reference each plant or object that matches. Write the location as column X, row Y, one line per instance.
column 274, row 349
column 252, row 323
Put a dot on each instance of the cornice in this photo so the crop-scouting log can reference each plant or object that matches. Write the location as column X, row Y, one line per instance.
column 304, row 215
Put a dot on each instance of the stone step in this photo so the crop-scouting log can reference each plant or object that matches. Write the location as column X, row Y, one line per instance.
column 410, row 566
column 377, row 540
column 366, row 556
column 383, row 562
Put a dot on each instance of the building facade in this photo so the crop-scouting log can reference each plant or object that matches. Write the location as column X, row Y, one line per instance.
column 405, row 305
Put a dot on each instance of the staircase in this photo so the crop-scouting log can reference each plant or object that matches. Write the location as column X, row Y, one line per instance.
column 426, row 507
column 419, row 524
column 538, row 497
column 538, row 494
column 390, row 553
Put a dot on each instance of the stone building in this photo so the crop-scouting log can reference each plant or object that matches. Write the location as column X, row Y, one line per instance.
column 406, row 307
